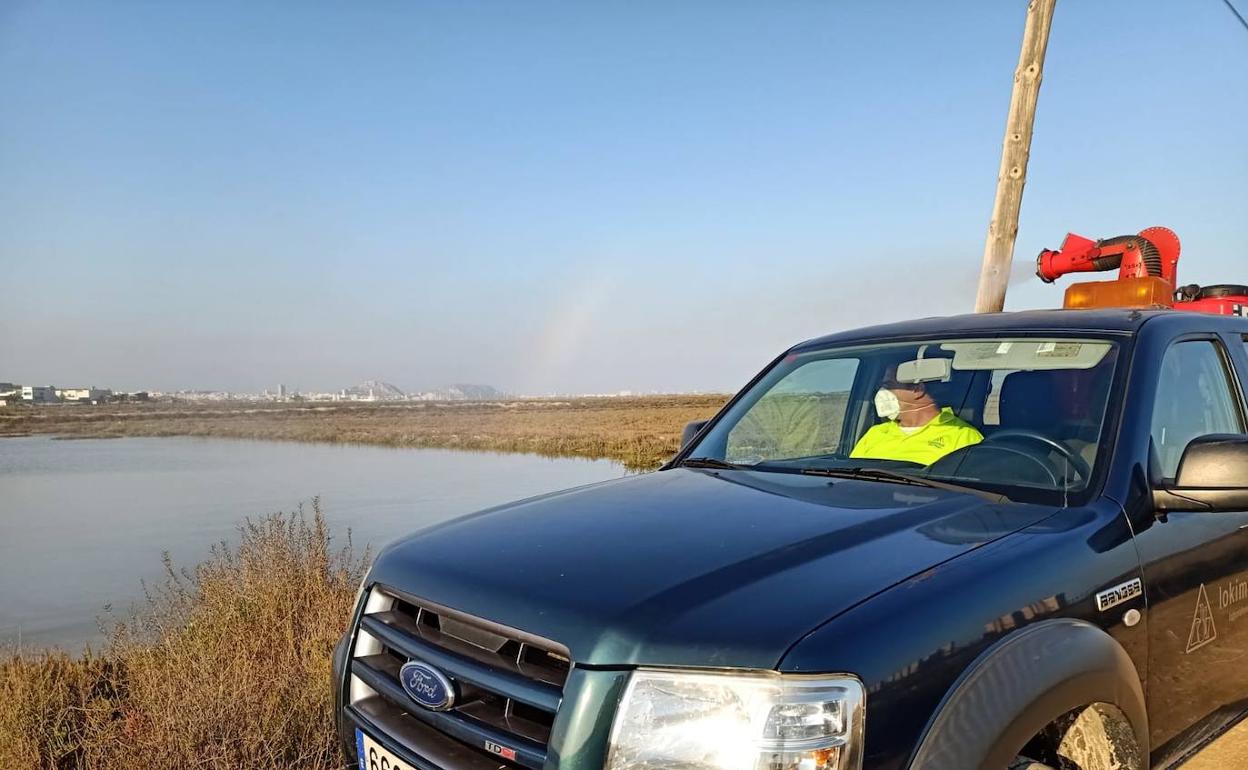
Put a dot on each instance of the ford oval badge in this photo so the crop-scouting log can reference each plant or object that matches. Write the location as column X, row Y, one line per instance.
column 427, row 686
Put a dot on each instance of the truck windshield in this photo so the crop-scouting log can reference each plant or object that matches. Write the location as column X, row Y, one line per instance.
column 1022, row 416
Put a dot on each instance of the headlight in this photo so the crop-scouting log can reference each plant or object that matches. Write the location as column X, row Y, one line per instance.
column 671, row 720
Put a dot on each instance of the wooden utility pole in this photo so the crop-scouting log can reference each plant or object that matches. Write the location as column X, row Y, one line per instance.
column 994, row 277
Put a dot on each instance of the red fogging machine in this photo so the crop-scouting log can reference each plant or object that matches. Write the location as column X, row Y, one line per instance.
column 1147, row 266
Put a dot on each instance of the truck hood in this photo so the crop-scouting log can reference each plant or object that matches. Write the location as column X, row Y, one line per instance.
column 691, row 567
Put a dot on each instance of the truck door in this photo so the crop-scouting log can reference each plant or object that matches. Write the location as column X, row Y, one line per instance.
column 1195, row 564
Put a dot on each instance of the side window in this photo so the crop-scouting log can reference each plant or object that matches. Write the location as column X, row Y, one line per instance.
column 1194, row 398
column 801, row 416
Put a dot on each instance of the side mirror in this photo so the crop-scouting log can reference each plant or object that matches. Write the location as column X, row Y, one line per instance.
column 1213, row 476
column 690, row 431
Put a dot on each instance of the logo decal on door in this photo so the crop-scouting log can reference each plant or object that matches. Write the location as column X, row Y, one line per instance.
column 1203, row 630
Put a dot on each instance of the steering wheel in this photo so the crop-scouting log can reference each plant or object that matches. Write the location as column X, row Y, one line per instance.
column 1077, row 462
column 950, row 464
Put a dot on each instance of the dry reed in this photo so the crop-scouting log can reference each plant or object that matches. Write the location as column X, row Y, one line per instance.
column 640, row 432
column 225, row 666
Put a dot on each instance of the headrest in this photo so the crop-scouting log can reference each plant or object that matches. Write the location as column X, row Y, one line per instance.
column 1029, row 400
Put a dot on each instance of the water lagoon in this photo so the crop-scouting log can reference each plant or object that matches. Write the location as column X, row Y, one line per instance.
column 82, row 523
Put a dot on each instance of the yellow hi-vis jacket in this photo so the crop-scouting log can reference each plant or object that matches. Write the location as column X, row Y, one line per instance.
column 945, row 433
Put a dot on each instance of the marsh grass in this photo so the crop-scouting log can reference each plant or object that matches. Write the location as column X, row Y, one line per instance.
column 224, row 666
column 640, row 432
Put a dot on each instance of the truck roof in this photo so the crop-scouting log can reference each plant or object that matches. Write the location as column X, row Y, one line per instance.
column 1101, row 321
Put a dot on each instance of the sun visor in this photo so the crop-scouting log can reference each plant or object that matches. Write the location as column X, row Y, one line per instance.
column 1025, row 354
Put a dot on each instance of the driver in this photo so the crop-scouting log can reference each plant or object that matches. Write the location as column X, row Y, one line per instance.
column 915, row 429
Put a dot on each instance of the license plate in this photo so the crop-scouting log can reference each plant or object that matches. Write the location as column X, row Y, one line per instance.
column 373, row 756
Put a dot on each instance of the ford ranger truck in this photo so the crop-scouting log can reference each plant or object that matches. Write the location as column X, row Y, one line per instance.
column 1060, row 582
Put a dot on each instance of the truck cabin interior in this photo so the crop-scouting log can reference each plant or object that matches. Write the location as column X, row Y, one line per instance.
column 1065, row 406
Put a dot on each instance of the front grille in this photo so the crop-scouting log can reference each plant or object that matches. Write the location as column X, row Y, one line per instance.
column 509, row 684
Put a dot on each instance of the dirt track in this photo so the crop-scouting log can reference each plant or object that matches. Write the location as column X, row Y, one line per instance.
column 1230, row 752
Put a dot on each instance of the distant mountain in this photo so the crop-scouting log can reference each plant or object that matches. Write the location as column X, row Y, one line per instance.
column 374, row 390
column 461, row 392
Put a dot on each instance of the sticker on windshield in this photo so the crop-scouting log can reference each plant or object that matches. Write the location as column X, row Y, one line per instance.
column 1059, row 350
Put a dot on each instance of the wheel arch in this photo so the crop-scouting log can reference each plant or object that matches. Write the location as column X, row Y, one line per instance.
column 1024, row 682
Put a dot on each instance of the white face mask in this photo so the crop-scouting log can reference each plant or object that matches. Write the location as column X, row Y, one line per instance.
column 887, row 405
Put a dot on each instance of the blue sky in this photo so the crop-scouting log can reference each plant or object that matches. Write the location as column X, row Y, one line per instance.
column 567, row 196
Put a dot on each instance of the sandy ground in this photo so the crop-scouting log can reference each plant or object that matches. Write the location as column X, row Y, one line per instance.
column 1230, row 752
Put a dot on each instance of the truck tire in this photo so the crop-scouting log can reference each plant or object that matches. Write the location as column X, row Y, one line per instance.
column 1063, row 679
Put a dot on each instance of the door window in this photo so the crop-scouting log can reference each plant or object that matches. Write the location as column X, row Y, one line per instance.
column 800, row 417
column 1194, row 398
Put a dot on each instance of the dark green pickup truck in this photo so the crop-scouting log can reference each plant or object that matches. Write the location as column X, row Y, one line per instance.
column 1071, row 591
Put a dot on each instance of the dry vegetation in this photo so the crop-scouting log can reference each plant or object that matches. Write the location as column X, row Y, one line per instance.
column 640, row 432
column 227, row 666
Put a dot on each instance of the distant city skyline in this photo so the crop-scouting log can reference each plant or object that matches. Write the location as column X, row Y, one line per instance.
column 567, row 197
column 378, row 390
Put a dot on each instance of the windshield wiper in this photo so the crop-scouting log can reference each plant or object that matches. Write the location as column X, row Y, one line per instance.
column 879, row 474
column 711, row 462
column 865, row 474
column 723, row 465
